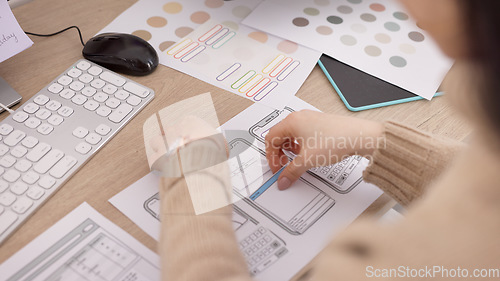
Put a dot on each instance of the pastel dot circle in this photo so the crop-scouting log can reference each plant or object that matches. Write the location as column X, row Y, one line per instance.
column 157, row 21
column 358, row 28
column 368, row 17
column 300, row 22
column 324, row 30
column 383, row 38
column 354, row 1
column 322, row 2
column 348, row 40
column 373, row 51
column 214, row 3
column 398, row 61
column 172, row 7
column 392, row 26
column 407, row 49
column 377, row 7
column 241, row 11
column 288, row 47
column 416, row 36
column 311, row 11
column 259, row 36
column 165, row 45
column 200, row 17
column 146, row 35
column 183, row 31
column 334, row 20
column 344, row 9
column 231, row 24
column 401, row 16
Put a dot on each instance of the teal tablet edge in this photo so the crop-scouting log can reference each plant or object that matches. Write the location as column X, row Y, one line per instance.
column 371, row 106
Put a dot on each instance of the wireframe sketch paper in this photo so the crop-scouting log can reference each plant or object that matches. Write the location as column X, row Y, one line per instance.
column 83, row 246
column 205, row 40
column 279, row 231
column 13, row 40
column 377, row 37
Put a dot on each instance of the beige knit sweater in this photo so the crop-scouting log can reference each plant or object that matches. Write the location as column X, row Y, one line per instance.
column 453, row 222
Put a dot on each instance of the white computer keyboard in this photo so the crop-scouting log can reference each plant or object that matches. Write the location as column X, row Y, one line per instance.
column 54, row 133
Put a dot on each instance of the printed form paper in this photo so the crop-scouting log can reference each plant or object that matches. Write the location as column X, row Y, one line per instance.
column 13, row 40
column 83, row 246
column 279, row 231
column 377, row 37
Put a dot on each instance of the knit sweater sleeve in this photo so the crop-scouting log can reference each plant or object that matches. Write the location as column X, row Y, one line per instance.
column 408, row 161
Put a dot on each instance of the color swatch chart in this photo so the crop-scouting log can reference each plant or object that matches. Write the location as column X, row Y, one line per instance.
column 241, row 64
column 377, row 37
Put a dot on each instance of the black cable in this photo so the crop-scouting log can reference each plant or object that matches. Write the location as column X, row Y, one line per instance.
column 61, row 31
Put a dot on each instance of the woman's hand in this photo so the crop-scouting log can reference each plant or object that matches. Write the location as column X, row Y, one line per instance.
column 317, row 139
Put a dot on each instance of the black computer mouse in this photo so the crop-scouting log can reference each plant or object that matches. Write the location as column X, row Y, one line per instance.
column 123, row 53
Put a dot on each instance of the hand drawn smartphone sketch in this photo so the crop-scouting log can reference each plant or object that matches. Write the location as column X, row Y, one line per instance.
column 341, row 177
column 294, row 210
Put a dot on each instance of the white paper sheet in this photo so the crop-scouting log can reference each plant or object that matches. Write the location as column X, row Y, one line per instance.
column 13, row 40
column 83, row 246
column 376, row 37
column 164, row 23
column 295, row 224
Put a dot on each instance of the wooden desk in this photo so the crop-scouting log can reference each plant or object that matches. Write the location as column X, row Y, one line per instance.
column 123, row 160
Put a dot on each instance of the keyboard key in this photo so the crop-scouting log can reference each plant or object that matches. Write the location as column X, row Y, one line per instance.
column 103, row 111
column 76, row 86
column 79, row 99
column 136, row 89
column 103, row 130
column 35, row 192
column 3, row 186
column 122, row 95
column 11, row 176
column 30, row 142
column 7, row 198
column 19, row 188
column 53, row 105
column 6, row 129
column 113, row 103
column 55, row 88
column 86, row 78
column 22, row 205
column 97, row 83
column 38, row 152
column 101, row 97
column 14, row 138
column 64, row 80
column 62, row 167
column 3, row 149
column 133, row 100
column 6, row 220
column 89, row 91
column 109, row 89
column 95, row 70
column 32, row 122
column 92, row 138
column 31, row 108
column 49, row 160
column 91, row 105
column 20, row 116
column 2, row 170
column 41, row 99
column 119, row 114
column 112, row 78
column 83, row 65
column 74, row 72
column 65, row 111
column 67, row 94
column 43, row 114
column 19, row 151
column 83, row 148
column 80, row 132
column 55, row 120
column 45, row 129
column 23, row 165
column 47, row 182
column 30, row 177
column 7, row 161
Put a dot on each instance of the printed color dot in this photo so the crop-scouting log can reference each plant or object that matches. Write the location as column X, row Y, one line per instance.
column 300, row 22
column 183, row 31
column 311, row 11
column 344, row 9
column 287, row 47
column 354, row 1
column 416, row 36
column 142, row 34
column 373, row 51
column 165, row 45
column 377, row 7
column 200, row 17
column 368, row 17
column 407, row 49
column 358, row 28
column 157, row 21
column 231, row 24
column 322, row 2
column 392, row 26
column 401, row 16
column 324, row 30
column 172, row 7
column 334, row 20
column 348, row 40
column 258, row 36
column 398, row 61
column 241, row 11
column 383, row 38
column 214, row 3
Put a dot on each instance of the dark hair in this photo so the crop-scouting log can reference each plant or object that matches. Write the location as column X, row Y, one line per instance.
column 483, row 24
